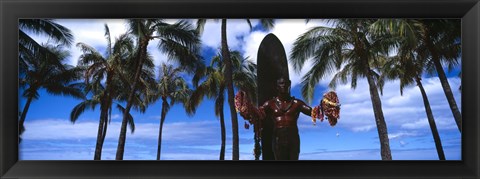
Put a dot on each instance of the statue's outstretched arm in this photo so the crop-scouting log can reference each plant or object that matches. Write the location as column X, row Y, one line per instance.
column 246, row 109
column 314, row 112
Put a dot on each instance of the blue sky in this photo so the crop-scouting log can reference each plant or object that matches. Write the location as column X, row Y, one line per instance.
column 50, row 135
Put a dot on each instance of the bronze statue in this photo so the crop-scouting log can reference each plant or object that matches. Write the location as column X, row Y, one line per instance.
column 275, row 118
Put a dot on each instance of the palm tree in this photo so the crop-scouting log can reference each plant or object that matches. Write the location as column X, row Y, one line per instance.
column 350, row 48
column 170, row 86
column 109, row 69
column 225, row 51
column 41, row 74
column 441, row 44
column 179, row 41
column 435, row 40
column 97, row 98
column 29, row 49
column 213, row 87
column 408, row 70
column 58, row 33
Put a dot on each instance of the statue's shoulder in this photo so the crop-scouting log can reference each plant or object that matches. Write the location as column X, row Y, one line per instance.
column 297, row 101
column 268, row 102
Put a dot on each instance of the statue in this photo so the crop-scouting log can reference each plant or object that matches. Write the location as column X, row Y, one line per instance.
column 275, row 118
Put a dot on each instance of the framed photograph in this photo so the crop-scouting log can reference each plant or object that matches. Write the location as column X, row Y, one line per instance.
column 351, row 89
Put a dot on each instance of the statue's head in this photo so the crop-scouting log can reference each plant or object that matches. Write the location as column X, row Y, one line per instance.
column 283, row 85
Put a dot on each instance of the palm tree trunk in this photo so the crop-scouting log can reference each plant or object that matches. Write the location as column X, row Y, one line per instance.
column 229, row 84
column 106, row 123
column 445, row 85
column 104, row 134
column 431, row 121
column 379, row 118
column 222, row 126
column 102, row 127
column 123, row 130
column 105, row 126
column 448, row 93
column 162, row 120
column 101, row 130
column 21, row 128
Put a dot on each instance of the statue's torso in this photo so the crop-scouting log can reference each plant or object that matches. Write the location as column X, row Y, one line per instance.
column 283, row 113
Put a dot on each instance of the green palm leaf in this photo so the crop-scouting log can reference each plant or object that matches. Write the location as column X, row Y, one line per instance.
column 131, row 122
column 80, row 108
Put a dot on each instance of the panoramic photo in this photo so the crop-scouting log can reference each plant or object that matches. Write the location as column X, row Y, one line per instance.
column 240, row 89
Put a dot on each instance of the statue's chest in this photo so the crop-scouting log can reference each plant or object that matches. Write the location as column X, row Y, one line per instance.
column 285, row 109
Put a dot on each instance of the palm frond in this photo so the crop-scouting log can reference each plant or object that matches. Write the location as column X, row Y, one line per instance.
column 200, row 25
column 195, row 99
column 48, row 27
column 267, row 24
column 109, row 40
column 341, row 77
column 249, row 23
column 80, row 108
column 311, row 43
column 188, row 58
column 130, row 120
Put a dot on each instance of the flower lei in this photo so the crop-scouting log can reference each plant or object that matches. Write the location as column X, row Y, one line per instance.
column 246, row 109
column 316, row 114
column 331, row 107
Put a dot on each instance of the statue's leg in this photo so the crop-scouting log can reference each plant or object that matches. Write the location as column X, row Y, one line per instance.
column 281, row 145
column 267, row 140
column 294, row 146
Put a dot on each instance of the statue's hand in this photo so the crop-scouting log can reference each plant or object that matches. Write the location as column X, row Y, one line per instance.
column 242, row 104
column 239, row 100
column 317, row 113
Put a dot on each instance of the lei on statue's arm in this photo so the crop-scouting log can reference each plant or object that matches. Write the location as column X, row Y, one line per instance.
column 244, row 106
column 329, row 107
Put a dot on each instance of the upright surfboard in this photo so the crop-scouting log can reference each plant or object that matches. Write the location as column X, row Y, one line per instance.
column 271, row 64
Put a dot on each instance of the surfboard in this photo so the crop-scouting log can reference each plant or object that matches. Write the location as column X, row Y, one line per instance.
column 271, row 64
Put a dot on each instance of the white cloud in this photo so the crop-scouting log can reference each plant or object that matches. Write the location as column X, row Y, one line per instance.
column 419, row 124
column 364, row 128
column 236, row 29
column 398, row 135
column 92, row 32
column 62, row 129
column 116, row 116
column 440, row 122
column 56, row 129
column 403, row 143
column 252, row 43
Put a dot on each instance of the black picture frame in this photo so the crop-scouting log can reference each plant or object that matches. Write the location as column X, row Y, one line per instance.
column 12, row 10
